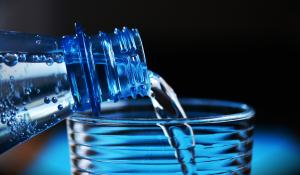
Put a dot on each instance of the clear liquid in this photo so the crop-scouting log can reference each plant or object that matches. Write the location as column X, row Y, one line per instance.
column 181, row 137
column 34, row 95
column 129, row 140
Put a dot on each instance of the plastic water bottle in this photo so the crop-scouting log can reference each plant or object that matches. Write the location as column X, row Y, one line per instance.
column 44, row 79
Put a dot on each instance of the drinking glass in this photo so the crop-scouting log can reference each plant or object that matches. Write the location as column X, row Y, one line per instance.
column 128, row 139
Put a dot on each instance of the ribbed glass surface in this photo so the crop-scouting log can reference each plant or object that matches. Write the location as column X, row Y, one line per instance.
column 111, row 145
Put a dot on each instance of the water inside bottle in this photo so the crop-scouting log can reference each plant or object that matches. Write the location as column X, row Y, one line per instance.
column 32, row 88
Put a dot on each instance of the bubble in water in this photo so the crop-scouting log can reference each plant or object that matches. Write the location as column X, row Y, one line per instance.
column 3, row 120
column 49, row 61
column 27, row 91
column 38, row 39
column 56, row 89
column 11, row 59
column 37, row 90
column 53, row 116
column 43, row 58
column 38, row 42
column 12, row 113
column 35, row 58
column 59, row 58
column 10, row 123
column 60, row 107
column 1, row 59
column 47, row 100
column 65, row 77
column 22, row 57
column 11, row 78
column 54, row 99
column 3, row 115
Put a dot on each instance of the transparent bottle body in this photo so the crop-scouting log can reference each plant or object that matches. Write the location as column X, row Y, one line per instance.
column 34, row 90
column 31, row 100
column 44, row 79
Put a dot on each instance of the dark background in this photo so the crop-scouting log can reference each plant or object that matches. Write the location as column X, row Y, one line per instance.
column 237, row 50
column 244, row 51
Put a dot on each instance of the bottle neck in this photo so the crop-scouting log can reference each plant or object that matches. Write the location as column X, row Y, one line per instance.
column 106, row 67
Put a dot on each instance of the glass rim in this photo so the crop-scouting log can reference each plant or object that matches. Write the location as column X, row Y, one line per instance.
column 247, row 112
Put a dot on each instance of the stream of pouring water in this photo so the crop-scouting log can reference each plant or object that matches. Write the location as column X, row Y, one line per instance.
column 180, row 136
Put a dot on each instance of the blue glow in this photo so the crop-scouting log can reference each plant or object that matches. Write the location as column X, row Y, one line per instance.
column 274, row 153
column 54, row 157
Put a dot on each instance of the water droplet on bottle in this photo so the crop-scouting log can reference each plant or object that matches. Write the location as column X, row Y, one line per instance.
column 47, row 100
column 11, row 59
column 60, row 107
column 54, row 99
column 49, row 61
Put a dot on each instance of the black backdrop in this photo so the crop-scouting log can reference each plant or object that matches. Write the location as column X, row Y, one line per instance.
column 236, row 50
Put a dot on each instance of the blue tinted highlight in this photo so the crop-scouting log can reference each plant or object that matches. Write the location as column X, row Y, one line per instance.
column 273, row 153
column 53, row 158
column 105, row 67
